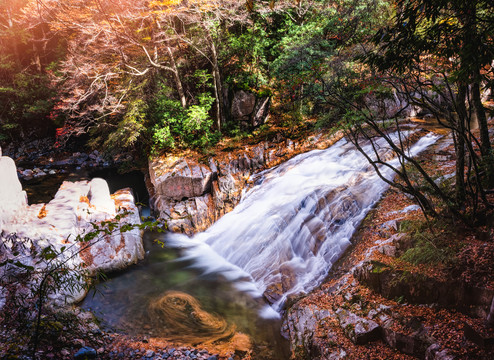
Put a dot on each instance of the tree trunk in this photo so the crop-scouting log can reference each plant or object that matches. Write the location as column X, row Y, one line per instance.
column 481, row 117
column 176, row 75
column 218, row 107
column 459, row 137
column 218, row 88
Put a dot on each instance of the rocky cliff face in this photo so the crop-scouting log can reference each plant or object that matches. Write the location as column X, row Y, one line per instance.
column 190, row 195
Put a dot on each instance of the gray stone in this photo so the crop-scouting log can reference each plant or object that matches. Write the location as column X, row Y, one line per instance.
column 261, row 111
column 336, row 355
column 183, row 179
column 490, row 317
column 28, row 173
column 388, row 250
column 212, row 166
column 409, row 209
column 415, row 344
column 440, row 158
column 359, row 330
column 85, row 353
column 301, row 323
column 444, row 178
column 243, row 105
column 433, row 353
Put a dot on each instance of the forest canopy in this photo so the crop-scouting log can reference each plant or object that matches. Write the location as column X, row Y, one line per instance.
column 148, row 77
column 157, row 75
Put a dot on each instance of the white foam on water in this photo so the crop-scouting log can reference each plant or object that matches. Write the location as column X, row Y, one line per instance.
column 287, row 232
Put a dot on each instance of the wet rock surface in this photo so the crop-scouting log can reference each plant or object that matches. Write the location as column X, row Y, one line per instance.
column 190, row 195
column 415, row 313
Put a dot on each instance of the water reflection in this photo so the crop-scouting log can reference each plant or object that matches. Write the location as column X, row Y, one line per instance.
column 181, row 317
column 164, row 297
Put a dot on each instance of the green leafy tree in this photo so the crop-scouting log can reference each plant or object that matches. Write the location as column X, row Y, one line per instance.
column 175, row 126
column 447, row 43
column 321, row 46
column 424, row 58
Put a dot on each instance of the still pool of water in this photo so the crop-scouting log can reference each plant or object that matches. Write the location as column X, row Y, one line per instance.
column 199, row 308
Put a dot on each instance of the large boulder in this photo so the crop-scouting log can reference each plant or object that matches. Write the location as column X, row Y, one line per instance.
column 243, row 105
column 77, row 209
column 13, row 200
column 248, row 109
column 180, row 179
column 119, row 249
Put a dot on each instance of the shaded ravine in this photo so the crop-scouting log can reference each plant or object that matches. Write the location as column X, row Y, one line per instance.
column 294, row 223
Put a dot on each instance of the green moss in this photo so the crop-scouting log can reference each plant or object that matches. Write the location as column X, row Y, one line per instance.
column 379, row 267
column 349, row 328
column 426, row 252
column 301, row 353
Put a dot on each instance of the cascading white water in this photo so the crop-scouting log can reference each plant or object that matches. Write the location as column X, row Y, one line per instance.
column 294, row 223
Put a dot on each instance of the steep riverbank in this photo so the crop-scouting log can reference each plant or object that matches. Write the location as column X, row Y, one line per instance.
column 191, row 191
column 407, row 288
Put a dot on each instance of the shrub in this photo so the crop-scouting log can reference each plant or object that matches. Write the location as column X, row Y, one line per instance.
column 426, row 252
column 175, row 126
column 33, row 279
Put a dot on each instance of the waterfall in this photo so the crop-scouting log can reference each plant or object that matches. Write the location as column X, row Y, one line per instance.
column 294, row 223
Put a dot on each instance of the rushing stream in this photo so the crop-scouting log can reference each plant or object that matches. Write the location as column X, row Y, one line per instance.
column 283, row 237
column 294, row 223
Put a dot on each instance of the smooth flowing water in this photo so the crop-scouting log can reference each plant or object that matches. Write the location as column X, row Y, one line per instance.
column 166, row 297
column 294, row 223
column 282, row 238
